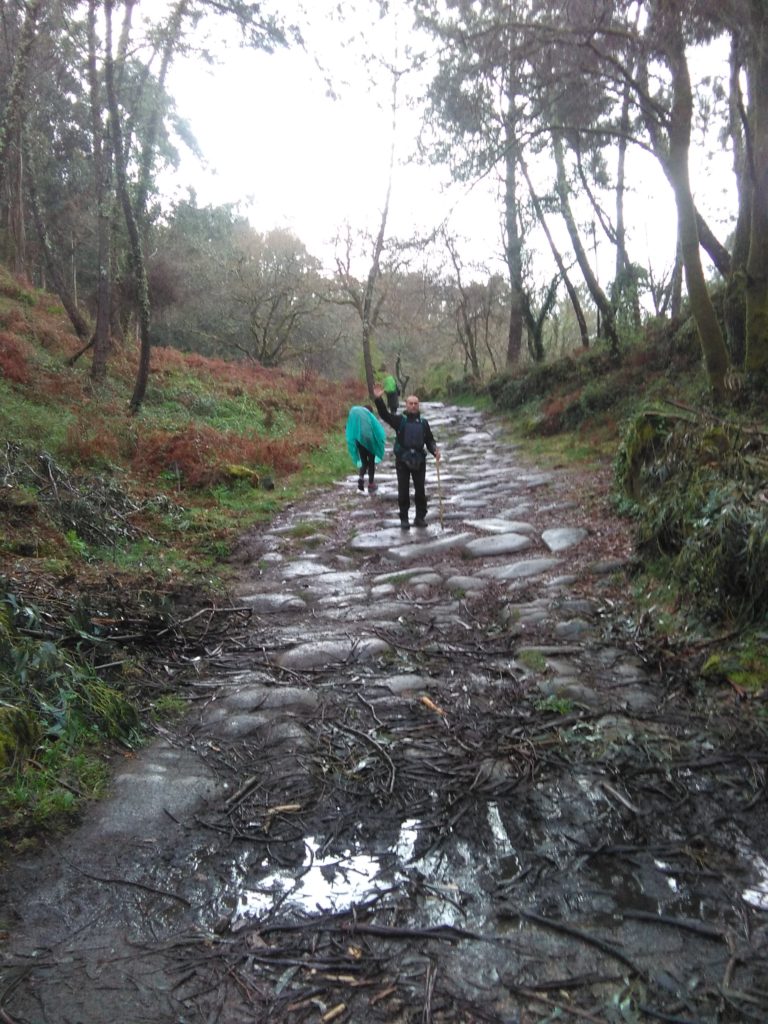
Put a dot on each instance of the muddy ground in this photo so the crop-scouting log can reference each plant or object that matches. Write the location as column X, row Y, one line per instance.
column 427, row 776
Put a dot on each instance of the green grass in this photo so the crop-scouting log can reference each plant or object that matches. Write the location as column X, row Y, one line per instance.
column 37, row 423
column 52, row 786
column 533, row 660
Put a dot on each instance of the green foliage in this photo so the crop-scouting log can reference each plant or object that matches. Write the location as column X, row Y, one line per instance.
column 308, row 528
column 696, row 486
column 41, row 792
column 509, row 391
column 55, row 715
column 532, row 659
column 58, row 689
column 37, row 422
column 559, row 705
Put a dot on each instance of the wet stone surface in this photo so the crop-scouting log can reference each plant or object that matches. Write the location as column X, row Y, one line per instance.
column 434, row 779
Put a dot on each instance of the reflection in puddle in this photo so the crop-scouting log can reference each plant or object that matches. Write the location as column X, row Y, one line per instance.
column 333, row 883
column 322, row 883
column 757, row 895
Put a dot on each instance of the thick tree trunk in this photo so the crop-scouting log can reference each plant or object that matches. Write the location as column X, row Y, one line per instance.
column 734, row 305
column 707, row 239
column 712, row 342
column 756, row 358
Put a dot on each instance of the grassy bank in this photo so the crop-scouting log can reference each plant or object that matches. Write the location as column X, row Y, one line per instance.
column 115, row 529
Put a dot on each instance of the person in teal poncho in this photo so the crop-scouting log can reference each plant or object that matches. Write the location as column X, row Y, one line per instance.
column 366, row 442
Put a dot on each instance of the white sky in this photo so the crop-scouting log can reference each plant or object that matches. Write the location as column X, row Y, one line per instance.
column 296, row 158
column 293, row 157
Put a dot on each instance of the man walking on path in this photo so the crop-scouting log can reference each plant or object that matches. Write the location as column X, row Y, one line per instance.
column 365, row 443
column 413, row 438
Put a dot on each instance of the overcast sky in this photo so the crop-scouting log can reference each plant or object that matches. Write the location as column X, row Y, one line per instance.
column 295, row 157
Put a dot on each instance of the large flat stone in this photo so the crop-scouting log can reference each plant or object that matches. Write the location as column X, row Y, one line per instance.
column 521, row 570
column 266, row 603
column 413, row 551
column 563, row 537
column 501, row 544
column 319, row 653
column 497, row 525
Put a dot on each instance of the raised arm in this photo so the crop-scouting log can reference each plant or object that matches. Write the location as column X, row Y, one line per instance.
column 381, row 407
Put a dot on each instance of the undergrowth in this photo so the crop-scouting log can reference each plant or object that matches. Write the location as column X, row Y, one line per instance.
column 104, row 517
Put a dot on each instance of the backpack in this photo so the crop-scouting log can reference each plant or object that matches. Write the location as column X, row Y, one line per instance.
column 410, row 443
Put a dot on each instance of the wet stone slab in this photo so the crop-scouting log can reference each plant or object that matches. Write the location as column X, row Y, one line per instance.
column 521, row 570
column 263, row 698
column 274, row 603
column 306, row 566
column 322, row 653
column 498, row 525
column 562, row 538
column 380, row 540
column 465, row 583
column 500, row 544
column 435, row 547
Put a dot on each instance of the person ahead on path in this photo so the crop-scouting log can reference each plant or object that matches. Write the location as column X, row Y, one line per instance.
column 366, row 441
column 413, row 438
column 391, row 390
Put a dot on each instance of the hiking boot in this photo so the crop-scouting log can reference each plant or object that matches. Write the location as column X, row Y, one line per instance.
column 361, row 484
column 404, row 524
column 372, row 487
column 419, row 521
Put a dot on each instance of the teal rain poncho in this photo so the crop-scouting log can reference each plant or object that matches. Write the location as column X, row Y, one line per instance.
column 363, row 427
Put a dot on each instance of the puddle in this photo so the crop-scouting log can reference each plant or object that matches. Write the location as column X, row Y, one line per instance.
column 755, row 894
column 320, row 884
column 442, row 882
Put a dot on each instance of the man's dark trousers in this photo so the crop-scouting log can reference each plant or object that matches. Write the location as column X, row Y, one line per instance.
column 404, row 477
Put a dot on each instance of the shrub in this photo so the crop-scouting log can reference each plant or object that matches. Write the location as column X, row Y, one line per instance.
column 697, row 486
column 14, row 355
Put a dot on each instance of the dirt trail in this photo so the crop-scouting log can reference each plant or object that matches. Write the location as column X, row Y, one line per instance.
column 431, row 778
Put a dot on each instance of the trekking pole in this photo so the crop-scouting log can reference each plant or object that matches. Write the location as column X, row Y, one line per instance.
column 439, row 494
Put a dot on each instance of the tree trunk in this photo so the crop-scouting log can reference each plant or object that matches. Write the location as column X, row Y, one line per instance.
column 573, row 295
column 131, row 221
column 597, row 293
column 11, row 123
column 756, row 359
column 103, row 197
column 709, row 243
column 514, row 243
column 374, row 271
column 52, row 265
column 712, row 342
column 734, row 303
